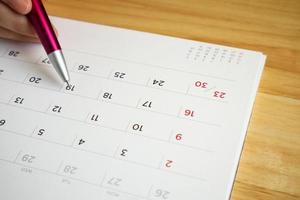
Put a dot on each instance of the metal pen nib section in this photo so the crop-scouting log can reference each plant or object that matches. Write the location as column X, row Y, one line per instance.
column 58, row 61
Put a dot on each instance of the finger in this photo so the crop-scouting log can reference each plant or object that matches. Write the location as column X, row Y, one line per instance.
column 15, row 22
column 20, row 6
column 8, row 34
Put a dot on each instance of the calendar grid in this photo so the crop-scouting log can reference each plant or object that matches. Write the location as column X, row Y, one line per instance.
column 128, row 82
column 158, row 118
column 103, row 155
column 111, row 128
column 72, row 178
column 171, row 68
column 123, row 105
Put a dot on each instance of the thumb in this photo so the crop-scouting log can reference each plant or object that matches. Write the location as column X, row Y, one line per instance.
column 20, row 6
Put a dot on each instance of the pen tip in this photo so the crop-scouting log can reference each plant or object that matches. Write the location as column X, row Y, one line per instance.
column 67, row 83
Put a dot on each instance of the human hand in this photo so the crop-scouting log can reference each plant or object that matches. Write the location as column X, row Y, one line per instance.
column 13, row 22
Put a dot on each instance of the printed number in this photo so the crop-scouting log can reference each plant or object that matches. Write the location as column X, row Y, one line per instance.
column 114, row 181
column 95, row 117
column 178, row 136
column 28, row 158
column 168, row 163
column 189, row 113
column 19, row 100
column 56, row 109
column 162, row 194
column 201, row 84
column 34, row 79
column 119, row 75
column 219, row 94
column 68, row 169
column 70, row 87
column 81, row 141
column 147, row 104
column 107, row 95
column 137, row 127
column 41, row 131
column 84, row 68
column 158, row 82
column 123, row 152
column 14, row 53
column 46, row 61
column 1, row 71
column 2, row 122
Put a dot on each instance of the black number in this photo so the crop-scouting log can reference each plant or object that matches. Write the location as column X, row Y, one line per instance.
column 81, row 141
column 70, row 169
column 114, row 181
column 147, row 104
column 162, row 194
column 107, row 95
column 137, row 127
column 70, row 87
column 119, row 75
column 95, row 117
column 19, row 100
column 41, row 131
column 35, row 79
column 56, row 109
column 83, row 68
column 28, row 158
column 2, row 122
column 13, row 53
column 158, row 82
column 123, row 152
column 46, row 61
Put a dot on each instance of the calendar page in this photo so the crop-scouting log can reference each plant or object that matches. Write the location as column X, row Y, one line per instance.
column 145, row 117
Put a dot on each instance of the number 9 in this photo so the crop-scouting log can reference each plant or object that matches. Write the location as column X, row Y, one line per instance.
column 2, row 122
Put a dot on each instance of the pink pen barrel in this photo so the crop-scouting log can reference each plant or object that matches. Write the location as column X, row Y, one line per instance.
column 40, row 20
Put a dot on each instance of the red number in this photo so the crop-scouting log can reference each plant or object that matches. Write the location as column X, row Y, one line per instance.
column 219, row 94
column 200, row 84
column 178, row 136
column 189, row 113
column 168, row 163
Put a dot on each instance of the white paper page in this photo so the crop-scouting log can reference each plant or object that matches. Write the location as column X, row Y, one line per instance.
column 146, row 116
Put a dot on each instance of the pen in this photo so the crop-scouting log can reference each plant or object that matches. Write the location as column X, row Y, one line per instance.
column 41, row 23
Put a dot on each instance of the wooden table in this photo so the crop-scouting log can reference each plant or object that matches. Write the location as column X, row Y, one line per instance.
column 270, row 163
